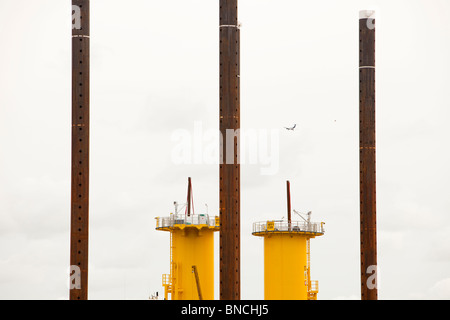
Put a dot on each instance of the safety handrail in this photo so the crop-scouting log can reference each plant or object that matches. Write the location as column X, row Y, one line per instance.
column 283, row 226
column 314, row 286
column 178, row 219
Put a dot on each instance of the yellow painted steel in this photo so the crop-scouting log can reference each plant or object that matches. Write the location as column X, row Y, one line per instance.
column 284, row 267
column 191, row 245
column 287, row 260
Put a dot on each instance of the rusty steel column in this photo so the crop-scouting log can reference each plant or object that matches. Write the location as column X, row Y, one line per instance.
column 288, row 189
column 79, row 234
column 229, row 124
column 367, row 154
column 189, row 197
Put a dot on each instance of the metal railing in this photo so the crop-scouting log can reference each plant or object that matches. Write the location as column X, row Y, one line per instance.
column 314, row 286
column 174, row 219
column 166, row 279
column 284, row 226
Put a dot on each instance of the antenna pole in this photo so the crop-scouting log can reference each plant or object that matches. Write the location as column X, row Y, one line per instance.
column 189, row 196
column 288, row 188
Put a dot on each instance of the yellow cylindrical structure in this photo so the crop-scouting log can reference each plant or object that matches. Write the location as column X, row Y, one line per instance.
column 287, row 259
column 191, row 247
column 285, row 265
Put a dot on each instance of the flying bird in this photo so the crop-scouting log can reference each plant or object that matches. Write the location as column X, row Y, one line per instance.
column 291, row 128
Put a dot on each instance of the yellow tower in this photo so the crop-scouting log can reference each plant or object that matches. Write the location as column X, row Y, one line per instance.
column 191, row 254
column 287, row 257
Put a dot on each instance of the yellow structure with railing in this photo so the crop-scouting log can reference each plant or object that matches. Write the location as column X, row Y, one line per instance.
column 191, row 256
column 287, row 259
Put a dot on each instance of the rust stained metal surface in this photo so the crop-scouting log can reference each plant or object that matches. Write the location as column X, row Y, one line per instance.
column 288, row 189
column 189, row 197
column 229, row 170
column 79, row 234
column 367, row 152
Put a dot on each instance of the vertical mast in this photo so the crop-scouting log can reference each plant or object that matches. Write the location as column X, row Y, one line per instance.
column 79, row 234
column 189, row 197
column 288, row 187
column 367, row 155
column 229, row 124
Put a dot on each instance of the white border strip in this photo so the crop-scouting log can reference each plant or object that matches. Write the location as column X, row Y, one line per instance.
column 367, row 14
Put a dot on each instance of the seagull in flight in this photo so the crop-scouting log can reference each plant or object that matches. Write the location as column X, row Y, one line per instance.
column 291, row 128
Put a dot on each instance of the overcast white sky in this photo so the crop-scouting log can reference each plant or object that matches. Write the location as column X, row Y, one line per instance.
column 154, row 70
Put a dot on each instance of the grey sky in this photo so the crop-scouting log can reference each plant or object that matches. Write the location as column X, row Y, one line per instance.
column 154, row 70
